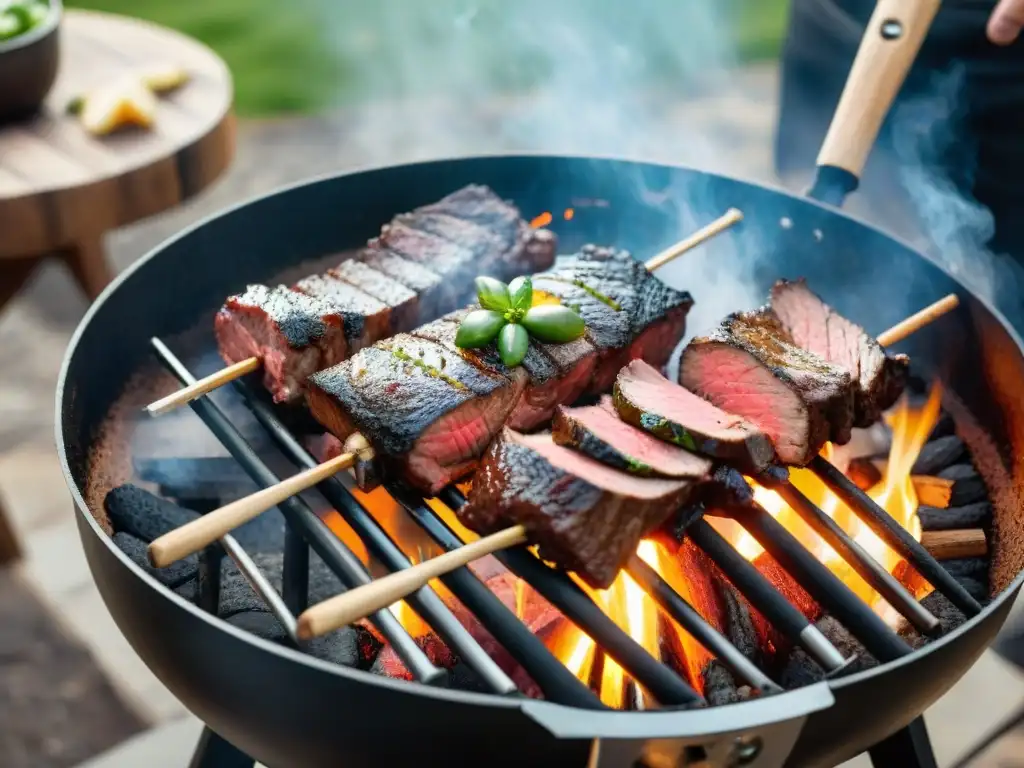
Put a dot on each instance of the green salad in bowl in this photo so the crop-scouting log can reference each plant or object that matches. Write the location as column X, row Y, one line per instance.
column 20, row 16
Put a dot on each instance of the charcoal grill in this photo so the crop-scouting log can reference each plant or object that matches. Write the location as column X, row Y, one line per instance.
column 280, row 706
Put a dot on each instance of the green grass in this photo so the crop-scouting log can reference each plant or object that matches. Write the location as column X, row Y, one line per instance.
column 300, row 56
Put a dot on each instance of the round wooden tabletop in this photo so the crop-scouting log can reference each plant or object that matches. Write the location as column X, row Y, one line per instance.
column 61, row 186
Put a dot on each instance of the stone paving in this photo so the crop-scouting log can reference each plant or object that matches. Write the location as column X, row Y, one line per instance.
column 726, row 129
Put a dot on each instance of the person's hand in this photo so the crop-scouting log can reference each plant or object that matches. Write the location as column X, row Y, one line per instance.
column 1006, row 22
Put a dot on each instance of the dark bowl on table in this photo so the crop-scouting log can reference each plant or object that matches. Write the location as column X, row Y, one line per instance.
column 28, row 66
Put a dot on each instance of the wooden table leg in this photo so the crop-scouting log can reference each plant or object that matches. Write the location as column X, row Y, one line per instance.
column 10, row 549
column 88, row 264
column 13, row 275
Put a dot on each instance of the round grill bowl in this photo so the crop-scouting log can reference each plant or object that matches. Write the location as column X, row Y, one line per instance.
column 288, row 709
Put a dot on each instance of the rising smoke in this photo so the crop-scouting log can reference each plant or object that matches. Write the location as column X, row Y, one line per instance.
column 609, row 78
column 937, row 158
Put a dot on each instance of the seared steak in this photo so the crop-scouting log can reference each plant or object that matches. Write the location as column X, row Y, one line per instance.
column 585, row 516
column 748, row 367
column 401, row 301
column 427, row 411
column 649, row 401
column 366, row 318
column 597, row 431
column 878, row 378
column 292, row 333
column 421, row 265
column 629, row 313
column 557, row 373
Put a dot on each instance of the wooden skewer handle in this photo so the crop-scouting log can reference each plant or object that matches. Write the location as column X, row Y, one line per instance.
column 192, row 537
column 918, row 320
column 361, row 602
column 702, row 235
column 203, row 386
column 892, row 39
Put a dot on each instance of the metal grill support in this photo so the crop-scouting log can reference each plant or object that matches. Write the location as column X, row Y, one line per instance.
column 304, row 529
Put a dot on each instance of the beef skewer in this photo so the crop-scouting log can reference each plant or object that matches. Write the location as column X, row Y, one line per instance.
column 878, row 380
column 369, row 297
column 419, row 266
column 183, row 541
column 579, row 501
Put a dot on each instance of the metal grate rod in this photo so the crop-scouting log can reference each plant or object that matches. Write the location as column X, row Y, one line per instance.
column 262, row 586
column 687, row 617
column 783, row 615
column 557, row 682
column 821, row 583
column 562, row 592
column 338, row 558
column 857, row 558
column 895, row 535
column 295, row 579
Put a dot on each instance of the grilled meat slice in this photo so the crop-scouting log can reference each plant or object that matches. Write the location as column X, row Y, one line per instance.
column 429, row 413
column 429, row 286
column 878, row 378
column 748, row 367
column 597, row 431
column 366, row 318
column 480, row 205
column 629, row 313
column 587, row 517
column 649, row 401
column 557, row 373
column 437, row 251
column 292, row 333
column 402, row 302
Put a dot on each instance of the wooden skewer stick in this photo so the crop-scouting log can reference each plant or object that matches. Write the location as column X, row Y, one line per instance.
column 358, row 603
column 201, row 532
column 238, row 370
column 722, row 223
column 203, row 386
column 353, row 605
column 918, row 320
column 951, row 545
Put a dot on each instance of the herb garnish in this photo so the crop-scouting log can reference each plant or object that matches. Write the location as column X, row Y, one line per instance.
column 509, row 316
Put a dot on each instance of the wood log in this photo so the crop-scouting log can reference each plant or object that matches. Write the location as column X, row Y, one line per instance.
column 955, row 544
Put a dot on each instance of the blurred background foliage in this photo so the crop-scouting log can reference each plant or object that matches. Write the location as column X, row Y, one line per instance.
column 309, row 55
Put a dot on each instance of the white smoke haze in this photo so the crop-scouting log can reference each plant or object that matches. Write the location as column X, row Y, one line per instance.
column 930, row 136
column 609, row 78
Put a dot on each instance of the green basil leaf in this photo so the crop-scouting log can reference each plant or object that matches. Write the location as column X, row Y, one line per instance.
column 553, row 323
column 478, row 328
column 492, row 294
column 513, row 341
column 521, row 290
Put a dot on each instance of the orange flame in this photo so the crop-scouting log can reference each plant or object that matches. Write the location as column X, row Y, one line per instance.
column 895, row 493
column 625, row 602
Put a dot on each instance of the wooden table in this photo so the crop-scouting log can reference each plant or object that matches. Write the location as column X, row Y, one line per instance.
column 62, row 189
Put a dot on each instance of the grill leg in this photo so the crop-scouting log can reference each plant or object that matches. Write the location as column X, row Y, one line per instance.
column 214, row 752
column 908, row 748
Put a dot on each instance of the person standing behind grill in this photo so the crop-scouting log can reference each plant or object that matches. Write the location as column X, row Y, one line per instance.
column 956, row 125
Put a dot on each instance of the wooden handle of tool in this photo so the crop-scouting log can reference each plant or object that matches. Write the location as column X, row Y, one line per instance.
column 192, row 537
column 918, row 320
column 361, row 602
column 201, row 387
column 891, row 42
column 703, row 234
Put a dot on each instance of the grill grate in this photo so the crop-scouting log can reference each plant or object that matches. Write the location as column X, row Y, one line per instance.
column 304, row 530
